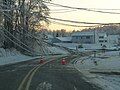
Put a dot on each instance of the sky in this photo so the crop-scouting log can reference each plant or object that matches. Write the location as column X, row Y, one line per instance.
column 81, row 15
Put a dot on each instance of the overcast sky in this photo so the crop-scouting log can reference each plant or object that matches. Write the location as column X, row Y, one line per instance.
column 85, row 16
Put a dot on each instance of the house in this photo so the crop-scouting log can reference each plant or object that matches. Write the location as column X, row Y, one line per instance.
column 113, row 39
column 64, row 39
column 95, row 40
column 83, row 37
column 101, row 38
column 89, row 38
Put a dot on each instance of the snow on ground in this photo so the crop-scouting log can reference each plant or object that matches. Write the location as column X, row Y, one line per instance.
column 57, row 50
column 103, row 62
column 86, row 47
column 13, row 56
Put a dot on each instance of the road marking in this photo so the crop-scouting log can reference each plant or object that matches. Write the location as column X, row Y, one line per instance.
column 25, row 84
column 30, row 78
column 25, row 78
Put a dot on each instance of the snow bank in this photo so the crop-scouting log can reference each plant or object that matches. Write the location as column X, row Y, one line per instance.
column 109, row 63
column 12, row 56
column 8, row 52
column 106, row 62
column 8, row 56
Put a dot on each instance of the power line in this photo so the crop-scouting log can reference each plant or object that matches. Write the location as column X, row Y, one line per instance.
column 55, row 4
column 32, row 36
column 64, row 11
column 59, row 9
column 104, row 9
column 86, row 9
column 72, row 24
column 71, row 21
column 17, row 44
column 20, row 42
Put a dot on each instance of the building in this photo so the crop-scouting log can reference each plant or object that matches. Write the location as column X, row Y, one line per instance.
column 83, row 37
column 90, row 38
column 101, row 39
column 61, row 40
column 96, row 40
column 113, row 39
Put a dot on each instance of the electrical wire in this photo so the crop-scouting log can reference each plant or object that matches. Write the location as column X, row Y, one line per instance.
column 17, row 44
column 71, row 21
column 85, row 9
column 59, row 9
column 63, row 11
column 55, row 4
column 18, row 40
column 72, row 24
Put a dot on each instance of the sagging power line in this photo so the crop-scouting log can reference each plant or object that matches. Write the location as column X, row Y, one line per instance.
column 63, row 11
column 85, row 9
column 71, row 21
column 55, row 22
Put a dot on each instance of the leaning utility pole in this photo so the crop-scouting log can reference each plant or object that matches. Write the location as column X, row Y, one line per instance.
column 22, row 19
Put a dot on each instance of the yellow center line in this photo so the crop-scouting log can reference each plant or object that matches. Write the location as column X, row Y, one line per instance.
column 25, row 84
column 30, row 78
column 23, row 81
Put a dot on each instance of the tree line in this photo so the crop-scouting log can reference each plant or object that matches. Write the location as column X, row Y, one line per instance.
column 19, row 22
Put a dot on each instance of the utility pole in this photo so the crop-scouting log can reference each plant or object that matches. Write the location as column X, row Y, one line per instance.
column 94, row 36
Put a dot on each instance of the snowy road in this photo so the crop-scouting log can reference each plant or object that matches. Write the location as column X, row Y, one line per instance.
column 52, row 76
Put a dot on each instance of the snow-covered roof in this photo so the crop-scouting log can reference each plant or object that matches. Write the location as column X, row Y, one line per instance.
column 50, row 36
column 101, row 33
column 82, row 33
column 64, row 38
column 116, row 36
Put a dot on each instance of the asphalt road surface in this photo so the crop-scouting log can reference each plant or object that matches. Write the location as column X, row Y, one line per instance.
column 53, row 75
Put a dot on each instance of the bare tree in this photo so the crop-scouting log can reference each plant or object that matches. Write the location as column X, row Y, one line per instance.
column 21, row 17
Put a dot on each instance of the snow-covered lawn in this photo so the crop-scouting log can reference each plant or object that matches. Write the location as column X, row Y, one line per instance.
column 12, row 56
column 105, row 62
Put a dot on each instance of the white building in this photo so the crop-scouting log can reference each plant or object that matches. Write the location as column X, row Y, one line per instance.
column 113, row 39
column 95, row 40
column 101, row 38
column 83, row 37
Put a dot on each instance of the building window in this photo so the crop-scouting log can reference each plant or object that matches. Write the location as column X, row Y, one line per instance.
column 88, row 42
column 101, row 41
column 76, row 37
column 101, row 36
column 105, row 40
column 87, row 37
